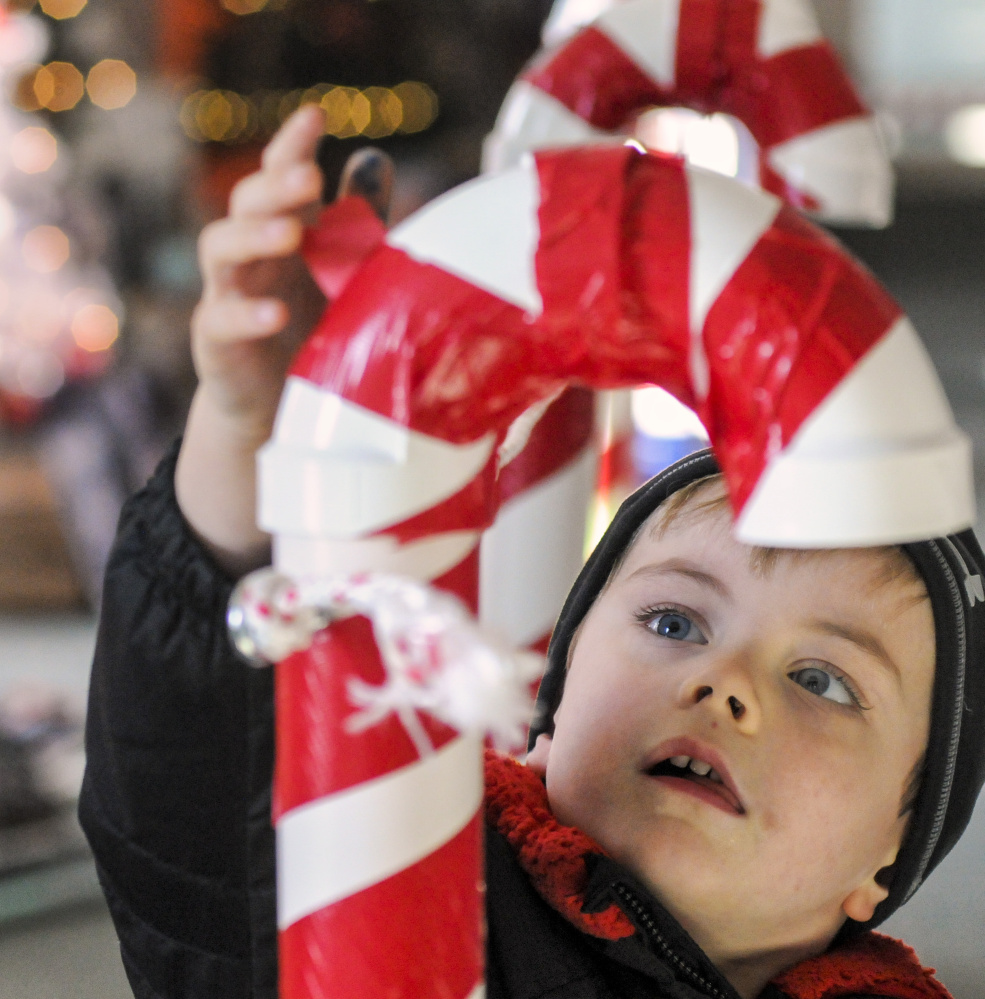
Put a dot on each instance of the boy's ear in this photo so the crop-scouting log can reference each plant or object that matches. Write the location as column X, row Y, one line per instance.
column 861, row 903
column 537, row 757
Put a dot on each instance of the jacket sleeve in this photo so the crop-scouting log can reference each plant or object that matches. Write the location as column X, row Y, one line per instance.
column 176, row 797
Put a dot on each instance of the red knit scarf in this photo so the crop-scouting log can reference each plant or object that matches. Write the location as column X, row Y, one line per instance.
column 554, row 855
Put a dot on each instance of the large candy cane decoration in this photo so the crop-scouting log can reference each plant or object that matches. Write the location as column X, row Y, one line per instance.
column 763, row 61
column 602, row 267
column 604, row 63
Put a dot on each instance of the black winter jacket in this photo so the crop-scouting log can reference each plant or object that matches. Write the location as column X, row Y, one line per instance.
column 176, row 805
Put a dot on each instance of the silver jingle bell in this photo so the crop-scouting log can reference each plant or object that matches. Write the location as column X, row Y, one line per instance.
column 267, row 620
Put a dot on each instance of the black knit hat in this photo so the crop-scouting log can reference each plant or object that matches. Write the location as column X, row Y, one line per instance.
column 953, row 569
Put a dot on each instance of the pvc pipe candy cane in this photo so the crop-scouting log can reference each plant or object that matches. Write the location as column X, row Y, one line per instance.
column 604, row 63
column 604, row 267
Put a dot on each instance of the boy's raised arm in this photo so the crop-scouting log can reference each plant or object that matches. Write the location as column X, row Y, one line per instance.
column 258, row 304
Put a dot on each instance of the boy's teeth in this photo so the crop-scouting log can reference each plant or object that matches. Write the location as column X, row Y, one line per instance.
column 698, row 767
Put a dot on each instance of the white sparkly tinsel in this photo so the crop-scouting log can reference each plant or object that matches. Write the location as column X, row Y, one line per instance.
column 437, row 658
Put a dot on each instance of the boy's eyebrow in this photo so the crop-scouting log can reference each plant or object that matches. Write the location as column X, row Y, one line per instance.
column 681, row 567
column 865, row 640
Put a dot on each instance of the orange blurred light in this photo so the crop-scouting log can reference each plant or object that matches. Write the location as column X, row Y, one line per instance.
column 33, row 150
column 62, row 9
column 111, row 84
column 95, row 327
column 24, row 98
column 59, row 86
column 45, row 249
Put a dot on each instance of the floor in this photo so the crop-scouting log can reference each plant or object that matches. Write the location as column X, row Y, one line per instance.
column 71, row 954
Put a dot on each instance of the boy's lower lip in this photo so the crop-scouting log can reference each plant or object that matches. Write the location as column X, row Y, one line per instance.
column 704, row 790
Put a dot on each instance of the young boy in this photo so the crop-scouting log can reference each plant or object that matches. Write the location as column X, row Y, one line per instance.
column 757, row 754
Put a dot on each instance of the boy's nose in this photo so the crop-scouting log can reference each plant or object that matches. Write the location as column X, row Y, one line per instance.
column 731, row 697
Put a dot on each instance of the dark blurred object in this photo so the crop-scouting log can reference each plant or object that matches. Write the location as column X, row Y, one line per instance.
column 97, row 446
column 467, row 51
column 41, row 753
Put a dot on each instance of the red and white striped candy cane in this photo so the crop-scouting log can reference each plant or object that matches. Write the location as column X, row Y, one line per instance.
column 604, row 63
column 763, row 61
column 603, row 267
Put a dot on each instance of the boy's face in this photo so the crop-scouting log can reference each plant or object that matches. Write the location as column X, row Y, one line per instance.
column 806, row 687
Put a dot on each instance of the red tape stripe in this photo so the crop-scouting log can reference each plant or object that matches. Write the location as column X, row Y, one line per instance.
column 793, row 93
column 414, row 936
column 316, row 756
column 559, row 437
column 595, row 79
column 797, row 315
column 613, row 267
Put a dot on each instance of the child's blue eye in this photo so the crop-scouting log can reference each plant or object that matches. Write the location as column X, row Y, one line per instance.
column 670, row 624
column 825, row 684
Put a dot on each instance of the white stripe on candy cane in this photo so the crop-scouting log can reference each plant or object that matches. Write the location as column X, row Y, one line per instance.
column 428, row 558
column 329, row 480
column 532, row 119
column 646, row 30
column 827, row 164
column 332, row 848
column 485, row 234
column 529, row 558
column 786, row 24
column 726, row 223
column 310, row 417
column 879, row 461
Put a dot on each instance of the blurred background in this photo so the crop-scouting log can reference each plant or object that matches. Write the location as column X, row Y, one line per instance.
column 125, row 123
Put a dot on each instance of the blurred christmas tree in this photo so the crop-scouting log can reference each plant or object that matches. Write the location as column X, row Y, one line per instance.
column 59, row 314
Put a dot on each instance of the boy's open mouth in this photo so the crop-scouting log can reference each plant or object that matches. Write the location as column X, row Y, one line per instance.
column 701, row 775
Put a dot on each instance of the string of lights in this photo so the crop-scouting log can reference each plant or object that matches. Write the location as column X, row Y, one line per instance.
column 374, row 112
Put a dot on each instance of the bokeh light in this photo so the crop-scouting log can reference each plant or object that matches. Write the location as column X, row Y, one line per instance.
column 40, row 374
column 657, row 413
column 59, row 86
column 111, row 84
column 60, row 10
column 45, row 249
column 375, row 112
column 95, row 327
column 964, row 135
column 708, row 141
column 23, row 97
column 33, row 150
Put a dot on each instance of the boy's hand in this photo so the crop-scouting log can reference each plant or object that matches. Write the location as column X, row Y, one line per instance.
column 258, row 300
column 258, row 304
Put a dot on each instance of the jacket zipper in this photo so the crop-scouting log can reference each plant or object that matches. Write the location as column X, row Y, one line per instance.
column 646, row 921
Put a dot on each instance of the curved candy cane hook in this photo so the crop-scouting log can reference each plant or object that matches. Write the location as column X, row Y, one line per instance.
column 601, row 267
